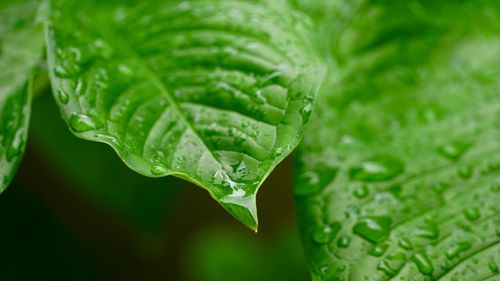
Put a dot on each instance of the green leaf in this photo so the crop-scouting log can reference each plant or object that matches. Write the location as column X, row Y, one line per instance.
column 399, row 174
column 214, row 92
column 21, row 43
column 143, row 203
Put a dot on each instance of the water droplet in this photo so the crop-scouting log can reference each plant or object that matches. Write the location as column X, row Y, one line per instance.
column 81, row 123
column 457, row 248
column 423, row 263
column 313, row 182
column 493, row 266
column 454, row 150
column 63, row 96
column 307, row 109
column 326, row 233
column 361, row 191
column 472, row 214
column 242, row 206
column 385, row 267
column 158, row 170
column 68, row 62
column 102, row 48
column 278, row 152
column 120, row 14
column 465, row 172
column 125, row 70
column 373, row 229
column 494, row 167
column 379, row 168
column 17, row 145
column 439, row 187
column 392, row 264
column 379, row 250
column 222, row 178
column 405, row 244
column 343, row 242
column 428, row 232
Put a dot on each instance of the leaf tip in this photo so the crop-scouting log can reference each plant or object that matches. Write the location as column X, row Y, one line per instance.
column 243, row 208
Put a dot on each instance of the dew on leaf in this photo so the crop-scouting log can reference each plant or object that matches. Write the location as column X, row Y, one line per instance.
column 63, row 96
column 378, row 168
column 101, row 48
column 493, row 267
column 379, row 250
column 472, row 214
column 68, row 62
column 385, row 267
column 361, row 191
column 81, row 123
column 392, row 264
column 325, row 234
column 343, row 242
column 240, row 198
column 307, row 109
column 373, row 229
column 125, row 70
column 405, row 244
column 278, row 152
column 465, row 172
column 222, row 178
column 16, row 145
column 423, row 263
column 313, row 182
column 428, row 232
column 158, row 170
column 454, row 151
column 457, row 248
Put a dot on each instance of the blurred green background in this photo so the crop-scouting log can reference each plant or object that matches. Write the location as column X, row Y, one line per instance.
column 76, row 212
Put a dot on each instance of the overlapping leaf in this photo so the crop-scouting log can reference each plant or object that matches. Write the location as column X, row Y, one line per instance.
column 215, row 92
column 399, row 174
column 21, row 43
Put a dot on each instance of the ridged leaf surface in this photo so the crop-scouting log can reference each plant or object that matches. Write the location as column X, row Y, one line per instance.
column 215, row 92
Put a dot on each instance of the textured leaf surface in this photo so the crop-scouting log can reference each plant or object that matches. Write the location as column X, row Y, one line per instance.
column 144, row 203
column 215, row 92
column 399, row 174
column 21, row 44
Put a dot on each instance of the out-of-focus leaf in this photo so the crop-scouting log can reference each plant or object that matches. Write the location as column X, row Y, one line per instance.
column 21, row 44
column 399, row 174
column 221, row 254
